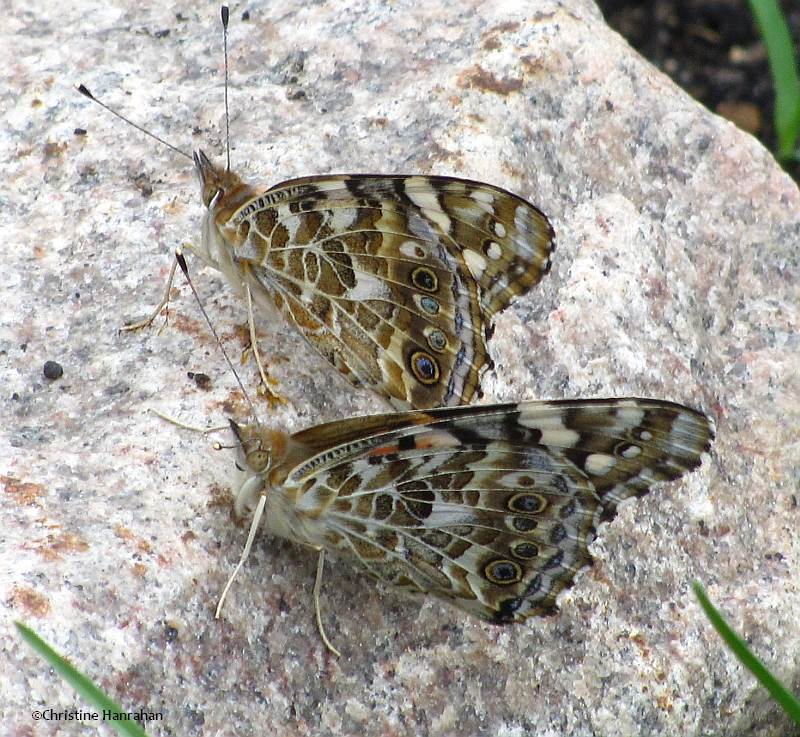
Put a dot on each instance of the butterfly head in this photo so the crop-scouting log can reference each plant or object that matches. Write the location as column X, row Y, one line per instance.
column 260, row 450
column 214, row 180
column 223, row 192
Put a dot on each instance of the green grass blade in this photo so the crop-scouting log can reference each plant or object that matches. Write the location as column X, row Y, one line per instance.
column 739, row 648
column 783, row 63
column 79, row 682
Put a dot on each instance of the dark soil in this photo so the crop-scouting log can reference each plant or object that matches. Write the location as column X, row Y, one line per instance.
column 713, row 49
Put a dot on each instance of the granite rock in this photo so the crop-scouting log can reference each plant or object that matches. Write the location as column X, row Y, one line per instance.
column 675, row 277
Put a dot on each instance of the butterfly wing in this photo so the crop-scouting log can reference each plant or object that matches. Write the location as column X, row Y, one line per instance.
column 493, row 507
column 393, row 279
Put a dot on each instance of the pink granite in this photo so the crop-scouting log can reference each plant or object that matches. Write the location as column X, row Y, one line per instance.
column 676, row 276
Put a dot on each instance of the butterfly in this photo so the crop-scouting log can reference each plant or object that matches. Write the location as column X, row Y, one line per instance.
column 395, row 280
column 491, row 508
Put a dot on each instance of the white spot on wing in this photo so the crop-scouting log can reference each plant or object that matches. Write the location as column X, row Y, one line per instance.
column 598, row 464
column 475, row 262
column 424, row 197
column 494, row 251
column 500, row 229
column 553, row 430
column 289, row 220
column 562, row 438
column 368, row 287
column 447, row 517
column 522, row 219
column 684, row 424
column 437, row 439
column 412, row 249
column 328, row 185
column 630, row 413
column 343, row 218
column 481, row 195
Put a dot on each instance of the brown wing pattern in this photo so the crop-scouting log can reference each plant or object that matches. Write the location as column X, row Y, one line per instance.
column 394, row 280
column 492, row 507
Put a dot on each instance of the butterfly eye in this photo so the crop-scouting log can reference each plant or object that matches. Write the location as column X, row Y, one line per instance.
column 424, row 367
column 259, row 460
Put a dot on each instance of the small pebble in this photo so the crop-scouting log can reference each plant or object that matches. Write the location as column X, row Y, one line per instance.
column 203, row 381
column 52, row 370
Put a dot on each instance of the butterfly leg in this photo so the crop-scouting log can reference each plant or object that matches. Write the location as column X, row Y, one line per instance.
column 266, row 380
column 317, row 611
column 147, row 321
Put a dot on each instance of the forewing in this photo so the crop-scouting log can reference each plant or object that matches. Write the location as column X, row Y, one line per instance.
column 493, row 507
column 395, row 280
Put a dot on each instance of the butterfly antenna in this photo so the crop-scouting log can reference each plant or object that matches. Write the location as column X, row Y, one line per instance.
column 179, row 257
column 85, row 92
column 224, row 14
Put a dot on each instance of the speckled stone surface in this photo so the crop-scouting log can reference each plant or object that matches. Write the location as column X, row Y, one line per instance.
column 676, row 277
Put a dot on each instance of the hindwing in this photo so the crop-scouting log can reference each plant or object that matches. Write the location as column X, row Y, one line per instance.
column 490, row 507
